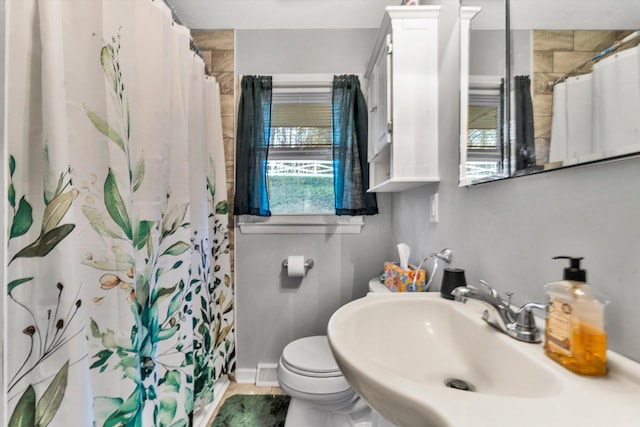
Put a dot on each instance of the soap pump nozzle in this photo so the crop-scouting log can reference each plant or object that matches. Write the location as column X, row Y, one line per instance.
column 573, row 272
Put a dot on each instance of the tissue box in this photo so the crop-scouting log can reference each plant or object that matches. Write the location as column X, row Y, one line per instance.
column 399, row 280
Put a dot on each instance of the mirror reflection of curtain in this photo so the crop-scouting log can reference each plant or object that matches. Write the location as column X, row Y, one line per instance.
column 525, row 149
column 120, row 301
column 616, row 103
column 571, row 136
column 596, row 115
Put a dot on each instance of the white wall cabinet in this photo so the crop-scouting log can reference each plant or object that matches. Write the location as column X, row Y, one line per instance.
column 402, row 97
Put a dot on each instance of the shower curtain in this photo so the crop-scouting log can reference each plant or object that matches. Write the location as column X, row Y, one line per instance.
column 119, row 300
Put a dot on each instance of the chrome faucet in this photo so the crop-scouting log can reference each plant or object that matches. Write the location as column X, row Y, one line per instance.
column 519, row 324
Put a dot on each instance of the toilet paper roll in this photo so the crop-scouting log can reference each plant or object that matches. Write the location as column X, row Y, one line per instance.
column 295, row 266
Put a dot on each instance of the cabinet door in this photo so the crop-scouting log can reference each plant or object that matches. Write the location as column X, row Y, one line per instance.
column 383, row 68
column 372, row 105
column 380, row 111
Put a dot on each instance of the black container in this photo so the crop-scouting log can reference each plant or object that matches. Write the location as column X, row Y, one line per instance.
column 451, row 279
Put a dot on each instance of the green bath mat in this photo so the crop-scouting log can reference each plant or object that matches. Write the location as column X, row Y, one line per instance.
column 253, row 410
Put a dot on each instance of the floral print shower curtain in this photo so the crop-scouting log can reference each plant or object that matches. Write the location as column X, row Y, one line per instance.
column 119, row 300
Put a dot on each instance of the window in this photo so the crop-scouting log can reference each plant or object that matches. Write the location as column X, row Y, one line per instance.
column 300, row 162
column 299, row 165
column 484, row 142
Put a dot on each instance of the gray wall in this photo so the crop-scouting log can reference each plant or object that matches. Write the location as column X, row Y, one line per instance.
column 487, row 52
column 506, row 233
column 272, row 309
column 339, row 51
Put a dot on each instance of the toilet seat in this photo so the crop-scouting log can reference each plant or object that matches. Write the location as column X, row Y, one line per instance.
column 311, row 356
column 307, row 366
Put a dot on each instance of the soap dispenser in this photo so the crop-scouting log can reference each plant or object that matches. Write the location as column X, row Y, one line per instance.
column 575, row 336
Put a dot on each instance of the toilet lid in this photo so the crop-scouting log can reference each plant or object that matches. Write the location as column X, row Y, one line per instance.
column 311, row 355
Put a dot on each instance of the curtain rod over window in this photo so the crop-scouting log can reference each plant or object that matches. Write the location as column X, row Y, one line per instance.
column 304, row 80
column 597, row 57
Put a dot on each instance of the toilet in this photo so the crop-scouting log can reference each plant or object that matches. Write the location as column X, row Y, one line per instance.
column 320, row 395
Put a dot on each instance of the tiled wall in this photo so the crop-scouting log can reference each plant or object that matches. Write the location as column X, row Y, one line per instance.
column 554, row 54
column 218, row 50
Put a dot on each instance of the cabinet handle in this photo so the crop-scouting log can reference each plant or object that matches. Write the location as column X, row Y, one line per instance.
column 390, row 127
column 373, row 109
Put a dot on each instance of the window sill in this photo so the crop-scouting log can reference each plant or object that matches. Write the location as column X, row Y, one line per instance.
column 300, row 224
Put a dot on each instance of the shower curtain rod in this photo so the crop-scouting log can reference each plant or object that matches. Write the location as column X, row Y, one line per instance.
column 174, row 15
column 617, row 45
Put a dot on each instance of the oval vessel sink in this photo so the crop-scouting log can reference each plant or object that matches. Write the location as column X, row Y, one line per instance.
column 423, row 361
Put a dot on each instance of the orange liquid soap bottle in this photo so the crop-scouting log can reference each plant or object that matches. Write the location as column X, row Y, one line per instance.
column 575, row 336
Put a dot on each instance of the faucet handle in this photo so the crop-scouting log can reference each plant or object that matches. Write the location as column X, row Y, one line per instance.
column 528, row 306
column 483, row 284
column 525, row 325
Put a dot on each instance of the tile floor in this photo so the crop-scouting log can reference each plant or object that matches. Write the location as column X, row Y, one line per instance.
column 236, row 388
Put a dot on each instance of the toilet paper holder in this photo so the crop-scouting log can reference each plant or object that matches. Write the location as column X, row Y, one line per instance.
column 308, row 264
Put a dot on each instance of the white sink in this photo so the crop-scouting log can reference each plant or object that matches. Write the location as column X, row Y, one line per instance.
column 398, row 351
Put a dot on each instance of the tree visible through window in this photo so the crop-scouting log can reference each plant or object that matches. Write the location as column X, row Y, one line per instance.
column 299, row 164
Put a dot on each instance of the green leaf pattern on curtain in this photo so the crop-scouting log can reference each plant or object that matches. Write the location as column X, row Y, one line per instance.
column 152, row 308
column 213, row 320
column 213, row 327
column 45, row 339
column 143, row 283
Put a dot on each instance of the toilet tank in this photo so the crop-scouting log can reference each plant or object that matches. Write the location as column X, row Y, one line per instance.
column 376, row 286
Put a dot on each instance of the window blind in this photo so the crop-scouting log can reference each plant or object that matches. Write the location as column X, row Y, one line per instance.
column 483, row 117
column 301, row 119
column 301, row 115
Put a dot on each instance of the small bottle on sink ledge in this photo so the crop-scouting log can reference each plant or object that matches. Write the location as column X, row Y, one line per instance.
column 575, row 336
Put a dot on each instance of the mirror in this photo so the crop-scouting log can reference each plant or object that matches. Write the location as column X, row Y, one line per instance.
column 483, row 65
column 563, row 110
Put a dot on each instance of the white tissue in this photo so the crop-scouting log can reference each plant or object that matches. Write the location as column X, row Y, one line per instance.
column 403, row 252
column 295, row 266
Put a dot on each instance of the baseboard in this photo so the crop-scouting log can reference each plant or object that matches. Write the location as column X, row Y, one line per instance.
column 246, row 376
column 202, row 417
